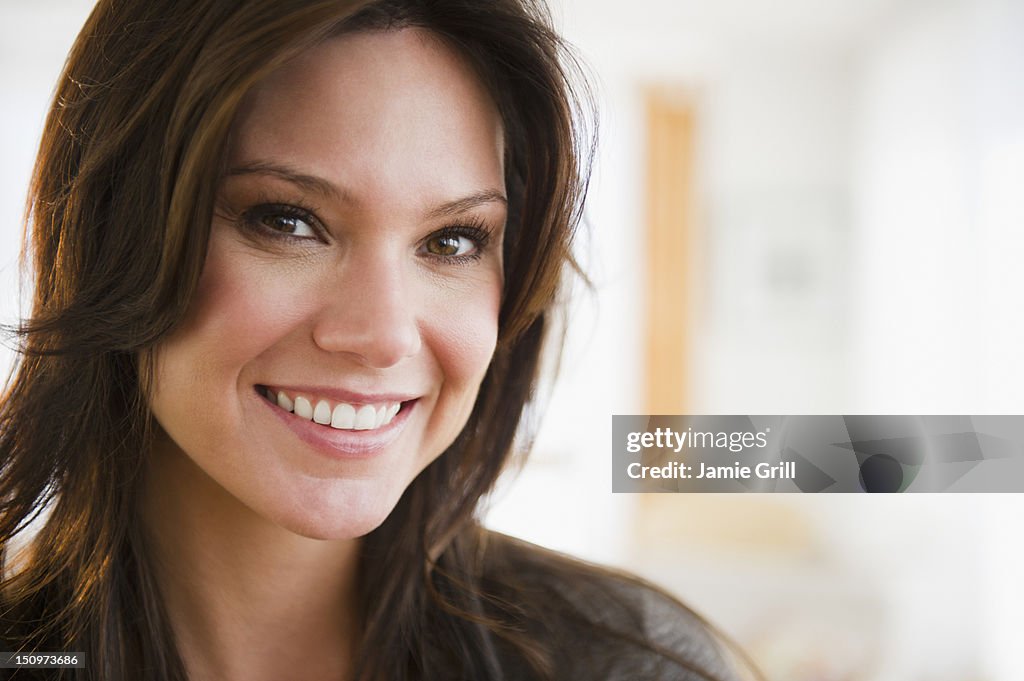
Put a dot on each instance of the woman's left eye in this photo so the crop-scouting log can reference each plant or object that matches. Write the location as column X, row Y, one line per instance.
column 456, row 243
column 449, row 245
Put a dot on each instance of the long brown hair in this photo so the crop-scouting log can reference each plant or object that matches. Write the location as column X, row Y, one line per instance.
column 120, row 208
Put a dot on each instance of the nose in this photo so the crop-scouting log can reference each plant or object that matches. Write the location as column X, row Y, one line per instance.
column 369, row 313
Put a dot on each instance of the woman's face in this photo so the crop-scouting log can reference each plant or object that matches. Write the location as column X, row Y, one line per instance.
column 354, row 269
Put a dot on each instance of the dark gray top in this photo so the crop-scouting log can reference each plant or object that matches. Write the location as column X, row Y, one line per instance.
column 604, row 625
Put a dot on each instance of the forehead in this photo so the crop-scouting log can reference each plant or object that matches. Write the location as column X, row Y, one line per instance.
column 379, row 112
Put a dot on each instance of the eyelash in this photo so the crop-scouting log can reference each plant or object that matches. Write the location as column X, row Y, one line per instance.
column 475, row 229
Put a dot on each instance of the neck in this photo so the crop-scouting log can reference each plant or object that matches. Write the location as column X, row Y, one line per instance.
column 246, row 598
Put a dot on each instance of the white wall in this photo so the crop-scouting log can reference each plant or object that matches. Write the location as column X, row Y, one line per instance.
column 863, row 218
column 940, row 239
column 34, row 39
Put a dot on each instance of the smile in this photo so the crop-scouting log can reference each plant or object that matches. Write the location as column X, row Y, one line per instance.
column 337, row 415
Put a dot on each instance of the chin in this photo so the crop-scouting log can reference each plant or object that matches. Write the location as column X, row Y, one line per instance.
column 348, row 519
column 333, row 529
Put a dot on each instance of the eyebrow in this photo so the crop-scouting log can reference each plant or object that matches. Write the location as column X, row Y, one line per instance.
column 310, row 183
column 318, row 185
column 468, row 203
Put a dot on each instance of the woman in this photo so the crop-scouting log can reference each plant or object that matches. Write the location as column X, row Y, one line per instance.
column 294, row 262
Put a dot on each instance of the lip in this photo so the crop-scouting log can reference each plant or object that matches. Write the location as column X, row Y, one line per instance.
column 342, row 444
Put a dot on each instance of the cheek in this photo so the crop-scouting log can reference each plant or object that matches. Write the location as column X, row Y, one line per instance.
column 238, row 310
column 237, row 313
column 243, row 299
column 464, row 344
column 467, row 346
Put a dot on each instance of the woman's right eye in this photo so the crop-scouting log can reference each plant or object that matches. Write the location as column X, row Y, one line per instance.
column 289, row 221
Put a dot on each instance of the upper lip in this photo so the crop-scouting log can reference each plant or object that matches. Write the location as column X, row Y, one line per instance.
column 340, row 394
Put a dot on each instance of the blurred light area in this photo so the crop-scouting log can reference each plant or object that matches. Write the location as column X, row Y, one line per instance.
column 861, row 229
column 34, row 40
column 860, row 214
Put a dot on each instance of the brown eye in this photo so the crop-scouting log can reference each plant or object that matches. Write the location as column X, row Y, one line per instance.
column 282, row 220
column 288, row 224
column 457, row 243
column 448, row 245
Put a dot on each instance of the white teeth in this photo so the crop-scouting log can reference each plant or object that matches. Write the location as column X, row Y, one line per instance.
column 366, row 417
column 322, row 414
column 303, row 408
column 343, row 416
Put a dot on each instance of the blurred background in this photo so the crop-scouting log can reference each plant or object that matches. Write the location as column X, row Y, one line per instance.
column 798, row 207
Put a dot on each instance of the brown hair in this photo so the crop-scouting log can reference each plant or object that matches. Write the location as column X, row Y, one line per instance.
column 120, row 208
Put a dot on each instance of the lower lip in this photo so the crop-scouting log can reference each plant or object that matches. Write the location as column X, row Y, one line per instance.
column 342, row 444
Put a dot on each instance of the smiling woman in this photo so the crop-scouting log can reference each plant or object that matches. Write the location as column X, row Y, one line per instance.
column 294, row 263
column 353, row 275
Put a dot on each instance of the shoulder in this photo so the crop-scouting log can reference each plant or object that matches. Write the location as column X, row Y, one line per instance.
column 598, row 623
